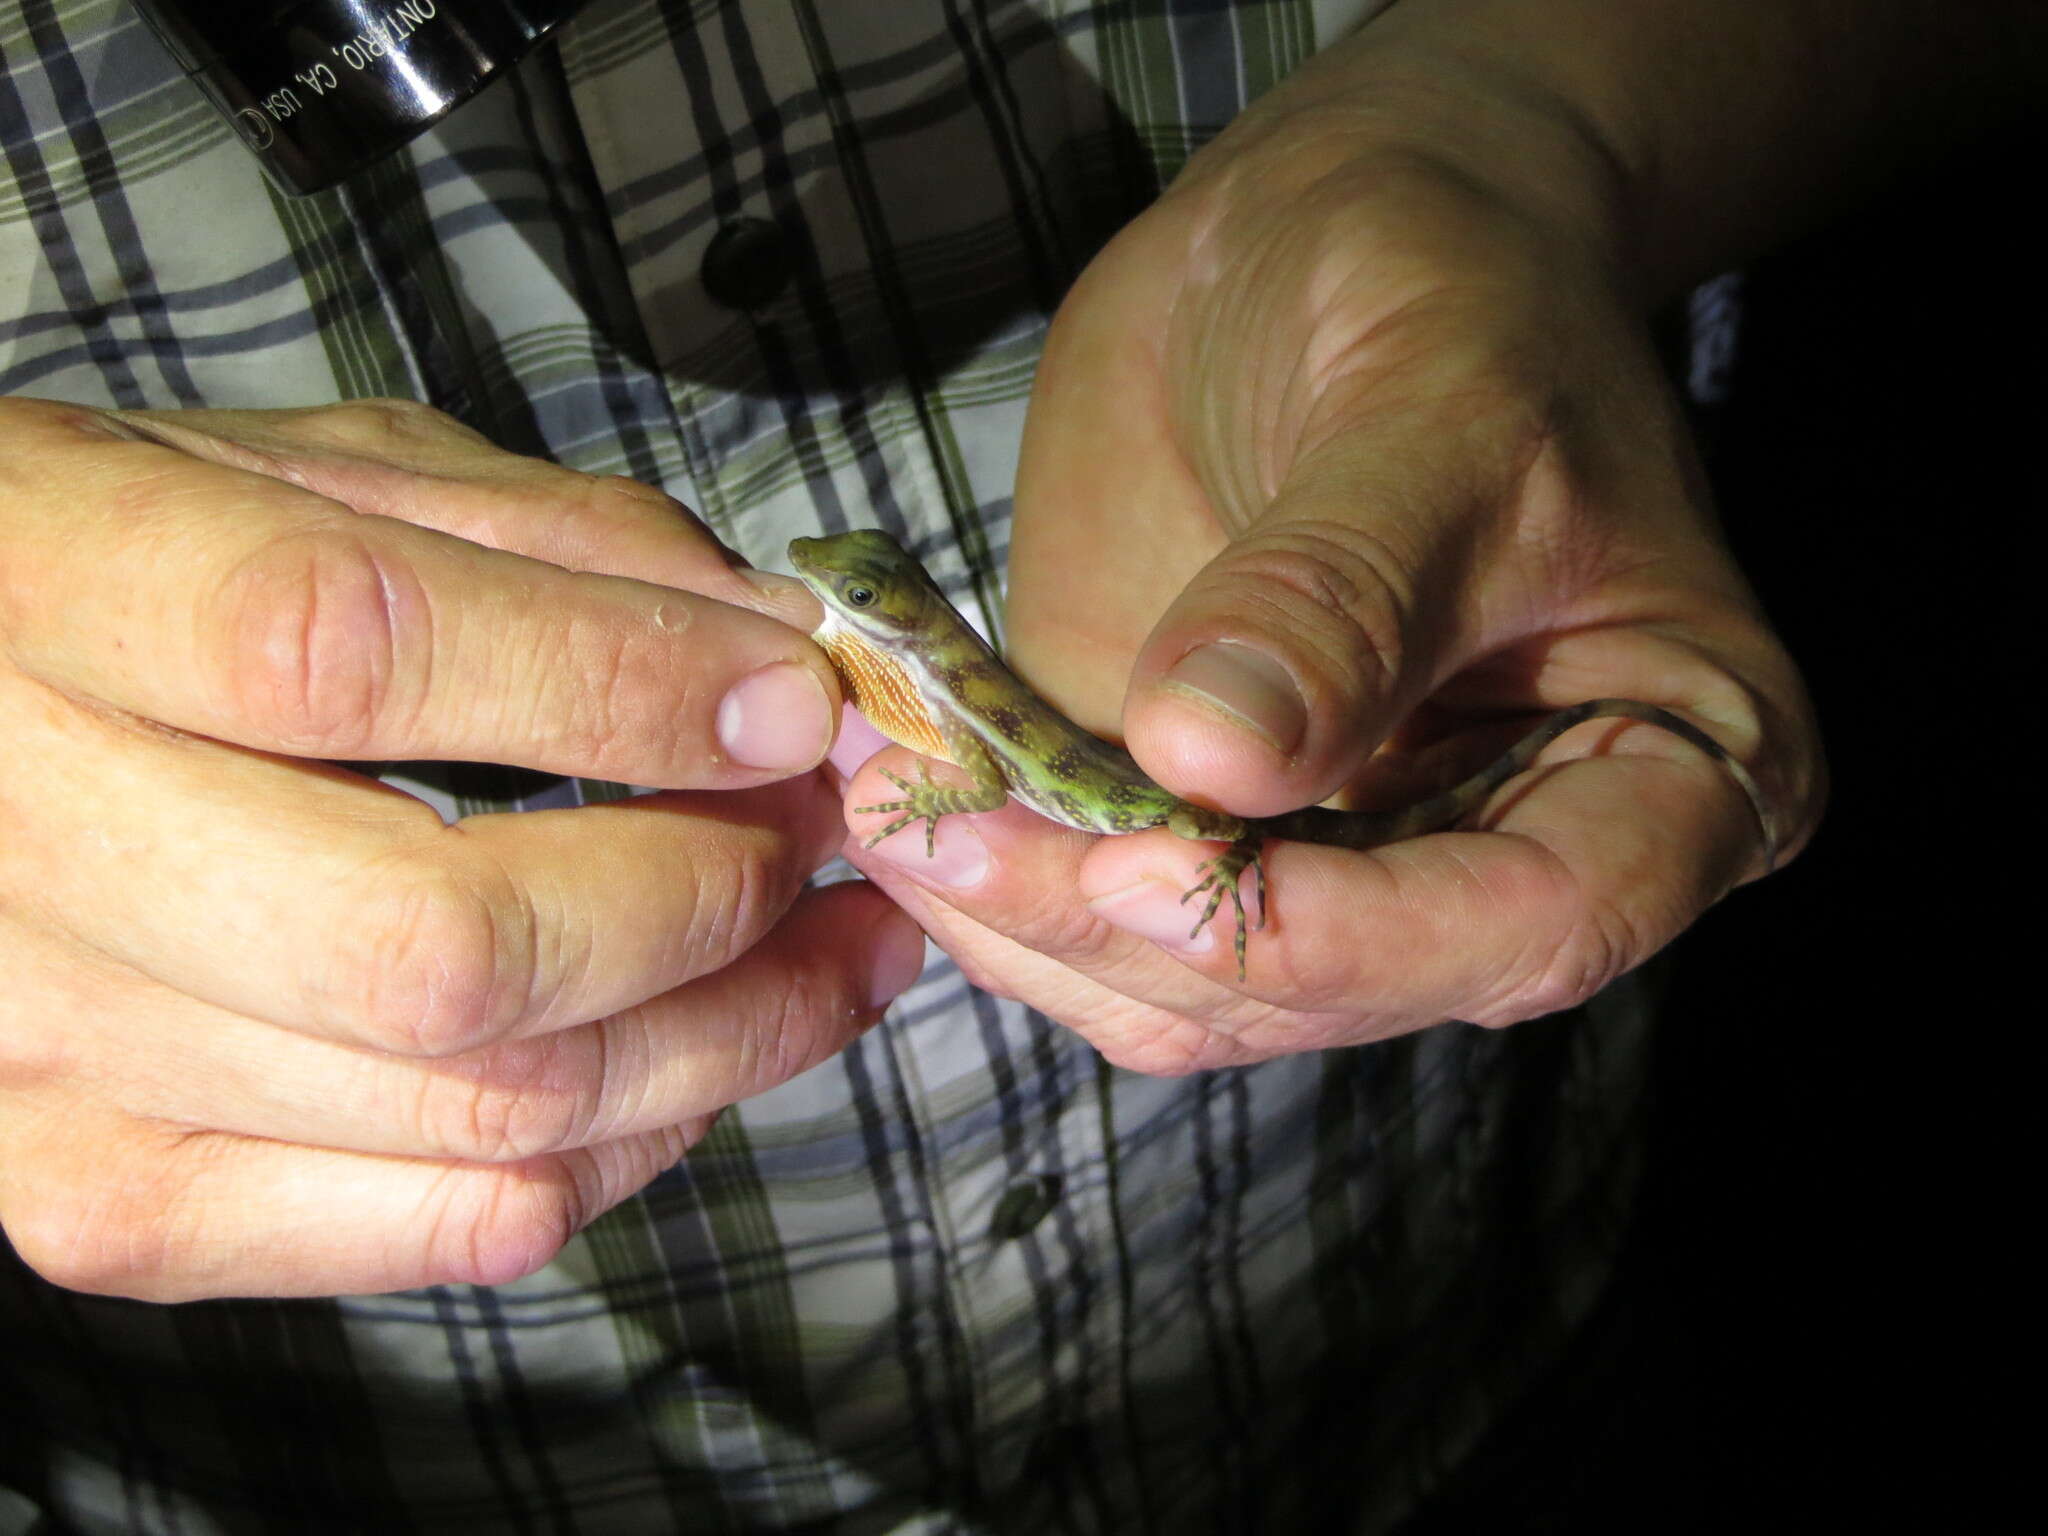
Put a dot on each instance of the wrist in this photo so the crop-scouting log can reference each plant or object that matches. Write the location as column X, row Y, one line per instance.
column 1674, row 139
column 1388, row 224
column 1412, row 107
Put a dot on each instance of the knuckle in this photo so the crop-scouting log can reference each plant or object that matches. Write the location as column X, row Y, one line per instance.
column 41, row 1051
column 616, row 674
column 1158, row 1042
column 785, row 1038
column 620, row 687
column 442, row 960
column 491, row 1226
column 58, row 1238
column 1578, row 969
column 71, row 1249
column 1570, row 956
column 519, row 1099
column 1083, row 940
column 1339, row 589
column 635, row 499
column 736, row 897
column 308, row 630
column 384, row 424
column 107, row 1227
column 45, row 1038
column 46, row 418
column 1085, row 946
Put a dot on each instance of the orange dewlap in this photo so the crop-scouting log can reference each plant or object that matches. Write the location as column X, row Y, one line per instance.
column 882, row 692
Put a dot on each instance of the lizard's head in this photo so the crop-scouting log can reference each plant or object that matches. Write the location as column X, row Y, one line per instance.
column 879, row 608
column 868, row 582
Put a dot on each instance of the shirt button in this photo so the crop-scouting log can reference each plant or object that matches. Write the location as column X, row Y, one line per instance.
column 1023, row 1206
column 746, row 264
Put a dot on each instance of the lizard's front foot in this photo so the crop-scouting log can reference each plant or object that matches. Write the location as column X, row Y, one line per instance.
column 1219, row 877
column 922, row 799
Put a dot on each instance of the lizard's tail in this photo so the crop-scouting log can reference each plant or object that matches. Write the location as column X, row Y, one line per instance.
column 1370, row 829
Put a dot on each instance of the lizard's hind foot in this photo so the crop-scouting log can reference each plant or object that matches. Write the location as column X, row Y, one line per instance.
column 1219, row 878
column 923, row 799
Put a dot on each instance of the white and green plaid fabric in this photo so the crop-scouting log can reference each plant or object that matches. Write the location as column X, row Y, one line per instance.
column 1284, row 1298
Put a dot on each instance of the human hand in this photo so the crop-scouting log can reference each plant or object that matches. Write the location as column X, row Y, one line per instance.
column 270, row 1026
column 1356, row 439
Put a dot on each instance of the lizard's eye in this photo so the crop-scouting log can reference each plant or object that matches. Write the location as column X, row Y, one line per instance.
column 859, row 597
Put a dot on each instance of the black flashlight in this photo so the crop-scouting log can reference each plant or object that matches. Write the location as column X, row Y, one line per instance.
column 318, row 89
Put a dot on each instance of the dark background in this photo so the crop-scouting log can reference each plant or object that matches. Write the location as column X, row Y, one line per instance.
column 1838, row 1243
column 1822, row 1320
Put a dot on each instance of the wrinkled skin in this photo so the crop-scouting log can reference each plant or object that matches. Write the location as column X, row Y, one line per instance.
column 1367, row 395
column 1379, row 410
column 270, row 1026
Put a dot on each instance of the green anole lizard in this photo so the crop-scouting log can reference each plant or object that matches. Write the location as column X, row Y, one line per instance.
column 923, row 678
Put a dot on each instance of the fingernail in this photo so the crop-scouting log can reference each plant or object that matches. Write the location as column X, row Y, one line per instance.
column 959, row 856
column 779, row 717
column 1154, row 910
column 1246, row 687
column 898, row 958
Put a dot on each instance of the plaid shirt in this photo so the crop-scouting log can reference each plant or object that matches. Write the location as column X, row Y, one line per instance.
column 965, row 1277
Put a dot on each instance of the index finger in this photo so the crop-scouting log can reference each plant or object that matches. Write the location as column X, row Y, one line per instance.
column 237, row 606
column 1586, row 868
